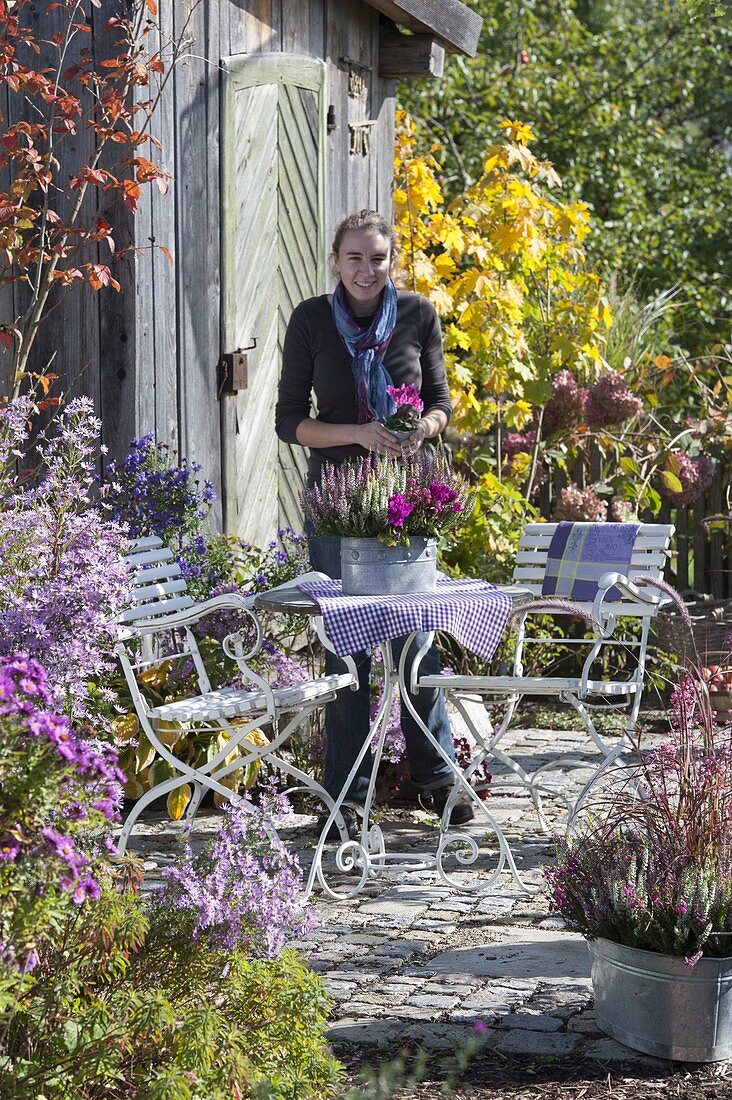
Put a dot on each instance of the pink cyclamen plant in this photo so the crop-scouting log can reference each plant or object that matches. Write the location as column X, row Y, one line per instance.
column 408, row 408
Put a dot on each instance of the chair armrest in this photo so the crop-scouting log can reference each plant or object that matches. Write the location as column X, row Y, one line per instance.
column 191, row 615
column 606, row 620
column 234, row 646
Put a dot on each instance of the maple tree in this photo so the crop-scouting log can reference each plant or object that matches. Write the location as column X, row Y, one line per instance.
column 54, row 213
column 504, row 265
column 630, row 103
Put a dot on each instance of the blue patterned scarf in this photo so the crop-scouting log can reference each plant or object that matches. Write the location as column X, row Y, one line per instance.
column 367, row 349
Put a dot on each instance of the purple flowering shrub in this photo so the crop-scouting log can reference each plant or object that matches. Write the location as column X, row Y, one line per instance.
column 152, row 494
column 62, row 579
column 649, row 863
column 243, row 890
column 285, row 557
column 109, row 993
column 388, row 499
column 58, row 796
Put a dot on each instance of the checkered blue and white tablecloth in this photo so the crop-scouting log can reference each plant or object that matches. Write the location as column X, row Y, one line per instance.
column 474, row 612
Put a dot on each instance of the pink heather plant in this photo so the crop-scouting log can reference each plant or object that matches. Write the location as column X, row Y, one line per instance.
column 388, row 499
column 610, row 402
column 408, row 408
column 648, row 862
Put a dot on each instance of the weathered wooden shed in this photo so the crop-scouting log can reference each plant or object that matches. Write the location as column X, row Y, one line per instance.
column 278, row 121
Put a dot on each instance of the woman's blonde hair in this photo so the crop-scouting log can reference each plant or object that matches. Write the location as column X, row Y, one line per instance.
column 366, row 219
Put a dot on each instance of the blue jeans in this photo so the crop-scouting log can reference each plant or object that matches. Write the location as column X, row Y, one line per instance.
column 347, row 717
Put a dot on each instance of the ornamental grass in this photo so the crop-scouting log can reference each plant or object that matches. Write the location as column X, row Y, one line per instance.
column 390, row 499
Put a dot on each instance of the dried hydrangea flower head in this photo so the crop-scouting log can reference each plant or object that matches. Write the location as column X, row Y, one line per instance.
column 610, row 402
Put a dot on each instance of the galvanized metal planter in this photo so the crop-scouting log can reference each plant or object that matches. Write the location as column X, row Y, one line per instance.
column 368, row 568
column 659, row 1005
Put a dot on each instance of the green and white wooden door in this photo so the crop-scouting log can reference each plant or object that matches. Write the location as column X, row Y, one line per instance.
column 273, row 253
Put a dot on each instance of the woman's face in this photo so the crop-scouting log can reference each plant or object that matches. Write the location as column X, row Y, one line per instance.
column 363, row 263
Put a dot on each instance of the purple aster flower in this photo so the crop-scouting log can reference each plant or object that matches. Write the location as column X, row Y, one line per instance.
column 84, row 889
column 62, row 846
column 9, row 847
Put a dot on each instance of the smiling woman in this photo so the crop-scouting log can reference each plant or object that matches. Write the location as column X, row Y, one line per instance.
column 354, row 349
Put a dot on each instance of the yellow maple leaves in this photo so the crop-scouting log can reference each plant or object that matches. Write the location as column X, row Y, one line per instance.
column 503, row 265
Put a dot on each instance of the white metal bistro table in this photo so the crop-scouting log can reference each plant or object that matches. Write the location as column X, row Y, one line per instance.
column 367, row 857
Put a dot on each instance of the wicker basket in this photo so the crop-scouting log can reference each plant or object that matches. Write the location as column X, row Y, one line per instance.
column 711, row 626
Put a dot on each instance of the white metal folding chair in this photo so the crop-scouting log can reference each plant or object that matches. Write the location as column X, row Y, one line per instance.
column 619, row 625
column 157, row 627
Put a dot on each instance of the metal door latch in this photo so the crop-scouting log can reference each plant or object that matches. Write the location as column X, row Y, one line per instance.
column 235, row 369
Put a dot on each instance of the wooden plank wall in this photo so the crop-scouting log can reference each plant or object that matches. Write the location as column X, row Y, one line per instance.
column 149, row 356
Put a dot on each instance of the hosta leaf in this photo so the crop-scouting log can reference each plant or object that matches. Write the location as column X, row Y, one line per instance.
column 177, row 801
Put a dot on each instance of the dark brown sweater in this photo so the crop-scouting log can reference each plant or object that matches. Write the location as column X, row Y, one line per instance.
column 315, row 361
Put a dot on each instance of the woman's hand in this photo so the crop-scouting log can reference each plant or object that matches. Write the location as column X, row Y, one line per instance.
column 375, row 437
column 413, row 442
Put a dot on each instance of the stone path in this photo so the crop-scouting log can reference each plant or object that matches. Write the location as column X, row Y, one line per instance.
column 418, row 962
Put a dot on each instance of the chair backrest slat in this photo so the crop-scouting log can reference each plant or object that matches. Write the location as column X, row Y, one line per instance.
column 156, row 584
column 147, row 542
column 149, row 557
column 158, row 591
column 156, row 608
column 168, row 571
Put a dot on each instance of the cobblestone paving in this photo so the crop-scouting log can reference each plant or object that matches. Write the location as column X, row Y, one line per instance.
column 416, row 961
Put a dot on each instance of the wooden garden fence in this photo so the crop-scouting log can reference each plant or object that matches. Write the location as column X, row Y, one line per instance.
column 702, row 558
